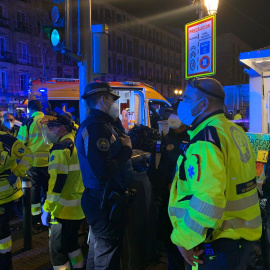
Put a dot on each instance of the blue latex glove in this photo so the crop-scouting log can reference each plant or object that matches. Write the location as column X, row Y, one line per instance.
column 45, row 218
column 12, row 178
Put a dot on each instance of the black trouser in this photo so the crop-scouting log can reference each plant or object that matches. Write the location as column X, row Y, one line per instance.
column 228, row 255
column 175, row 259
column 40, row 179
column 63, row 243
column 266, row 252
column 5, row 236
column 106, row 236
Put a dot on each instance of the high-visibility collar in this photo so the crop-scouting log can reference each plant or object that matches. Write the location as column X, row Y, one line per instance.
column 67, row 136
column 37, row 114
column 202, row 125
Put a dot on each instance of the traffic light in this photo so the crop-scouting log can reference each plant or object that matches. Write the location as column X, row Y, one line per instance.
column 60, row 33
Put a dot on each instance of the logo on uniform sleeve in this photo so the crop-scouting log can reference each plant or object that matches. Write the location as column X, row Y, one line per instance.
column 191, row 171
column 52, row 158
column 103, row 144
column 169, row 147
column 241, row 143
column 21, row 150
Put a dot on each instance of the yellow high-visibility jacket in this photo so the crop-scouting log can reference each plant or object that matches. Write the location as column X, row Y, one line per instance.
column 214, row 192
column 30, row 134
column 12, row 149
column 65, row 184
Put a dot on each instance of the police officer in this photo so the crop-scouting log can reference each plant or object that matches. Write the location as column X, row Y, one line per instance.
column 172, row 145
column 213, row 203
column 62, row 208
column 30, row 135
column 104, row 154
column 10, row 187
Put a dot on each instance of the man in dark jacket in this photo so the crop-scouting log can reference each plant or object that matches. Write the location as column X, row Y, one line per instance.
column 104, row 153
column 172, row 144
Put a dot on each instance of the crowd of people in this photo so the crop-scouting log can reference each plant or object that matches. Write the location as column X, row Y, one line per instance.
column 204, row 180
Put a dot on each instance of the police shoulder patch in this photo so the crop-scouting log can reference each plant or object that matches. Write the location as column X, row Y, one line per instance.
column 169, row 147
column 103, row 144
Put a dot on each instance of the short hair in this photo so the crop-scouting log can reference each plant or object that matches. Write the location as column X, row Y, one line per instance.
column 93, row 99
column 238, row 111
column 34, row 105
column 67, row 114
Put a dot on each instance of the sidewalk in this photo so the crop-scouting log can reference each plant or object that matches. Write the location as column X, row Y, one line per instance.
column 38, row 257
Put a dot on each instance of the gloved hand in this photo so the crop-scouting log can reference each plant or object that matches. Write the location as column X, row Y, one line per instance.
column 12, row 178
column 45, row 218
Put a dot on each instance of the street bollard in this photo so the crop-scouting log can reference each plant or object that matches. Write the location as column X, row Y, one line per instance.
column 27, row 216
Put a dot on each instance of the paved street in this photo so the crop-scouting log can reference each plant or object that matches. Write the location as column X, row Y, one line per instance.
column 38, row 257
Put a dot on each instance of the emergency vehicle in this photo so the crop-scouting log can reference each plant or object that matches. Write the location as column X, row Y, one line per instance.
column 139, row 103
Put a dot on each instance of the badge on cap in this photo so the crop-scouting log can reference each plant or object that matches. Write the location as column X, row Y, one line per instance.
column 103, row 144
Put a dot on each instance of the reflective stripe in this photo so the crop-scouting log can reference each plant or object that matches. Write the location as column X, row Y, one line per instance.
column 74, row 167
column 177, row 212
column 25, row 163
column 65, row 266
column 243, row 203
column 206, row 208
column 69, row 203
column 29, row 155
column 5, row 188
column 36, row 209
column 35, row 205
column 76, row 259
column 34, row 135
column 38, row 155
column 237, row 223
column 36, row 213
column 52, row 198
column 60, row 167
column 21, row 138
column 5, row 245
column 194, row 225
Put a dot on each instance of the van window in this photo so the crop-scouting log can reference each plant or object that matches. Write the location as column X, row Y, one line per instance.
column 157, row 111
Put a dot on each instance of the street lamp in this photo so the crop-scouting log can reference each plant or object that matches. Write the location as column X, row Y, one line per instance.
column 212, row 6
column 178, row 92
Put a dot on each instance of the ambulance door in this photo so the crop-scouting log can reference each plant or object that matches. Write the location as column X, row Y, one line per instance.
column 130, row 107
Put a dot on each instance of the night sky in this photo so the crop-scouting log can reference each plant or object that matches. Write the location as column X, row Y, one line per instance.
column 248, row 19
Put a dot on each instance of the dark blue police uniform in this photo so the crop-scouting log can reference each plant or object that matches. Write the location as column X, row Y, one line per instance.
column 107, row 171
column 172, row 145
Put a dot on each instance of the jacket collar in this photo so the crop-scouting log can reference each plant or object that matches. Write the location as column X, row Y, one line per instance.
column 204, row 122
column 37, row 113
column 101, row 115
column 67, row 136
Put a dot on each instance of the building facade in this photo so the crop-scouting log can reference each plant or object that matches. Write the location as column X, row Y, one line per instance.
column 138, row 51
column 229, row 71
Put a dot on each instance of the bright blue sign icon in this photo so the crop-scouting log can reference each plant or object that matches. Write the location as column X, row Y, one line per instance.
column 205, row 47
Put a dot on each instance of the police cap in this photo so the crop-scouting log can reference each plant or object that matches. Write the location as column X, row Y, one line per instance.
column 98, row 87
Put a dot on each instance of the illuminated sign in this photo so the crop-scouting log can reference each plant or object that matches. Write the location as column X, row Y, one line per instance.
column 200, row 40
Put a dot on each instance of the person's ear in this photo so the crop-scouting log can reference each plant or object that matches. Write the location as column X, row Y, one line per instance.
column 205, row 104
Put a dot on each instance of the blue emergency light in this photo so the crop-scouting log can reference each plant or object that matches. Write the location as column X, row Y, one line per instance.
column 42, row 90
